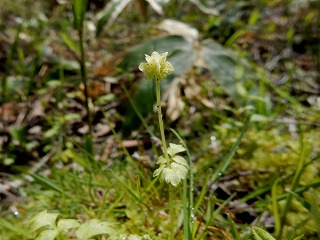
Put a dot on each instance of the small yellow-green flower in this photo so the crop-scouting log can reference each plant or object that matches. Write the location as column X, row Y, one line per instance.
column 157, row 67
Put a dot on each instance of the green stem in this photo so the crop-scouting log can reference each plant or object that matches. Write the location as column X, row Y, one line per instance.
column 164, row 148
column 294, row 185
column 163, row 139
column 89, row 146
column 171, row 211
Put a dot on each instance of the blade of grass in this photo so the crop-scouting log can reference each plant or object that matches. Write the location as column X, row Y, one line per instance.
column 275, row 209
column 295, row 182
column 126, row 186
column 233, row 230
column 284, row 196
column 14, row 227
column 203, row 192
column 46, row 182
column 79, row 8
column 188, row 209
column 130, row 159
column 135, row 108
column 186, row 212
column 226, row 162
column 214, row 214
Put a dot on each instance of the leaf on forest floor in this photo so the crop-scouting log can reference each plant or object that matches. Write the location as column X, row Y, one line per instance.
column 172, row 97
column 175, row 27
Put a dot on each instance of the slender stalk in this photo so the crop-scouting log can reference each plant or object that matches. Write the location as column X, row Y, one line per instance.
column 84, row 78
column 186, row 212
column 188, row 208
column 294, row 185
column 82, row 62
column 164, row 148
column 163, row 139
column 171, row 211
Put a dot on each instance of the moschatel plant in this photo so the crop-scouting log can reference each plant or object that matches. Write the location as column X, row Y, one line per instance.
column 172, row 167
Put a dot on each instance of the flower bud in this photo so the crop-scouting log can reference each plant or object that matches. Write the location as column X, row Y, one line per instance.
column 157, row 67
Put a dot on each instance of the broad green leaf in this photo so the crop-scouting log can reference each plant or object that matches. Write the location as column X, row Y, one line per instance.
column 144, row 99
column 65, row 224
column 94, row 227
column 235, row 74
column 261, row 234
column 109, row 14
column 47, row 235
column 79, row 8
column 229, row 69
column 43, row 219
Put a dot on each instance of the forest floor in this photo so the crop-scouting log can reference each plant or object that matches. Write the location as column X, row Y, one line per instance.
column 233, row 62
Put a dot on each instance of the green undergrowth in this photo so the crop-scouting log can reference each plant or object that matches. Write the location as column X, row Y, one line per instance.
column 131, row 200
column 83, row 158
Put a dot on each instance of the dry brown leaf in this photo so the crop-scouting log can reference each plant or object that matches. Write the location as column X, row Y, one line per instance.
column 191, row 87
column 101, row 130
column 173, row 99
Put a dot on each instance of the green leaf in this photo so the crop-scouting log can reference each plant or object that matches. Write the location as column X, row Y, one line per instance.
column 173, row 149
column 234, row 74
column 261, row 234
column 180, row 160
column 14, row 228
column 109, row 14
column 45, row 182
column 144, row 98
column 298, row 238
column 79, row 8
column 65, row 224
column 43, row 219
column 94, row 227
column 47, row 235
column 69, row 42
column 227, row 160
column 162, row 160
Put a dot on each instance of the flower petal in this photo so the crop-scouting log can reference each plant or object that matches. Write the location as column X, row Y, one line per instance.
column 156, row 66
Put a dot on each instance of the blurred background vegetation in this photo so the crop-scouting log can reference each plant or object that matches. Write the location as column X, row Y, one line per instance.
column 231, row 58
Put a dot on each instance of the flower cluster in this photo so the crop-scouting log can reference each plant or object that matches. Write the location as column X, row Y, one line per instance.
column 157, row 67
column 172, row 170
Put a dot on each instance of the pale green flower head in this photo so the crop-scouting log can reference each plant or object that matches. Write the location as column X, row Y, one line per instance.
column 156, row 66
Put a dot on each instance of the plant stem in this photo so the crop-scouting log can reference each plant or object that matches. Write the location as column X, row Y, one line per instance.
column 171, row 211
column 164, row 149
column 82, row 62
column 163, row 139
column 294, row 184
